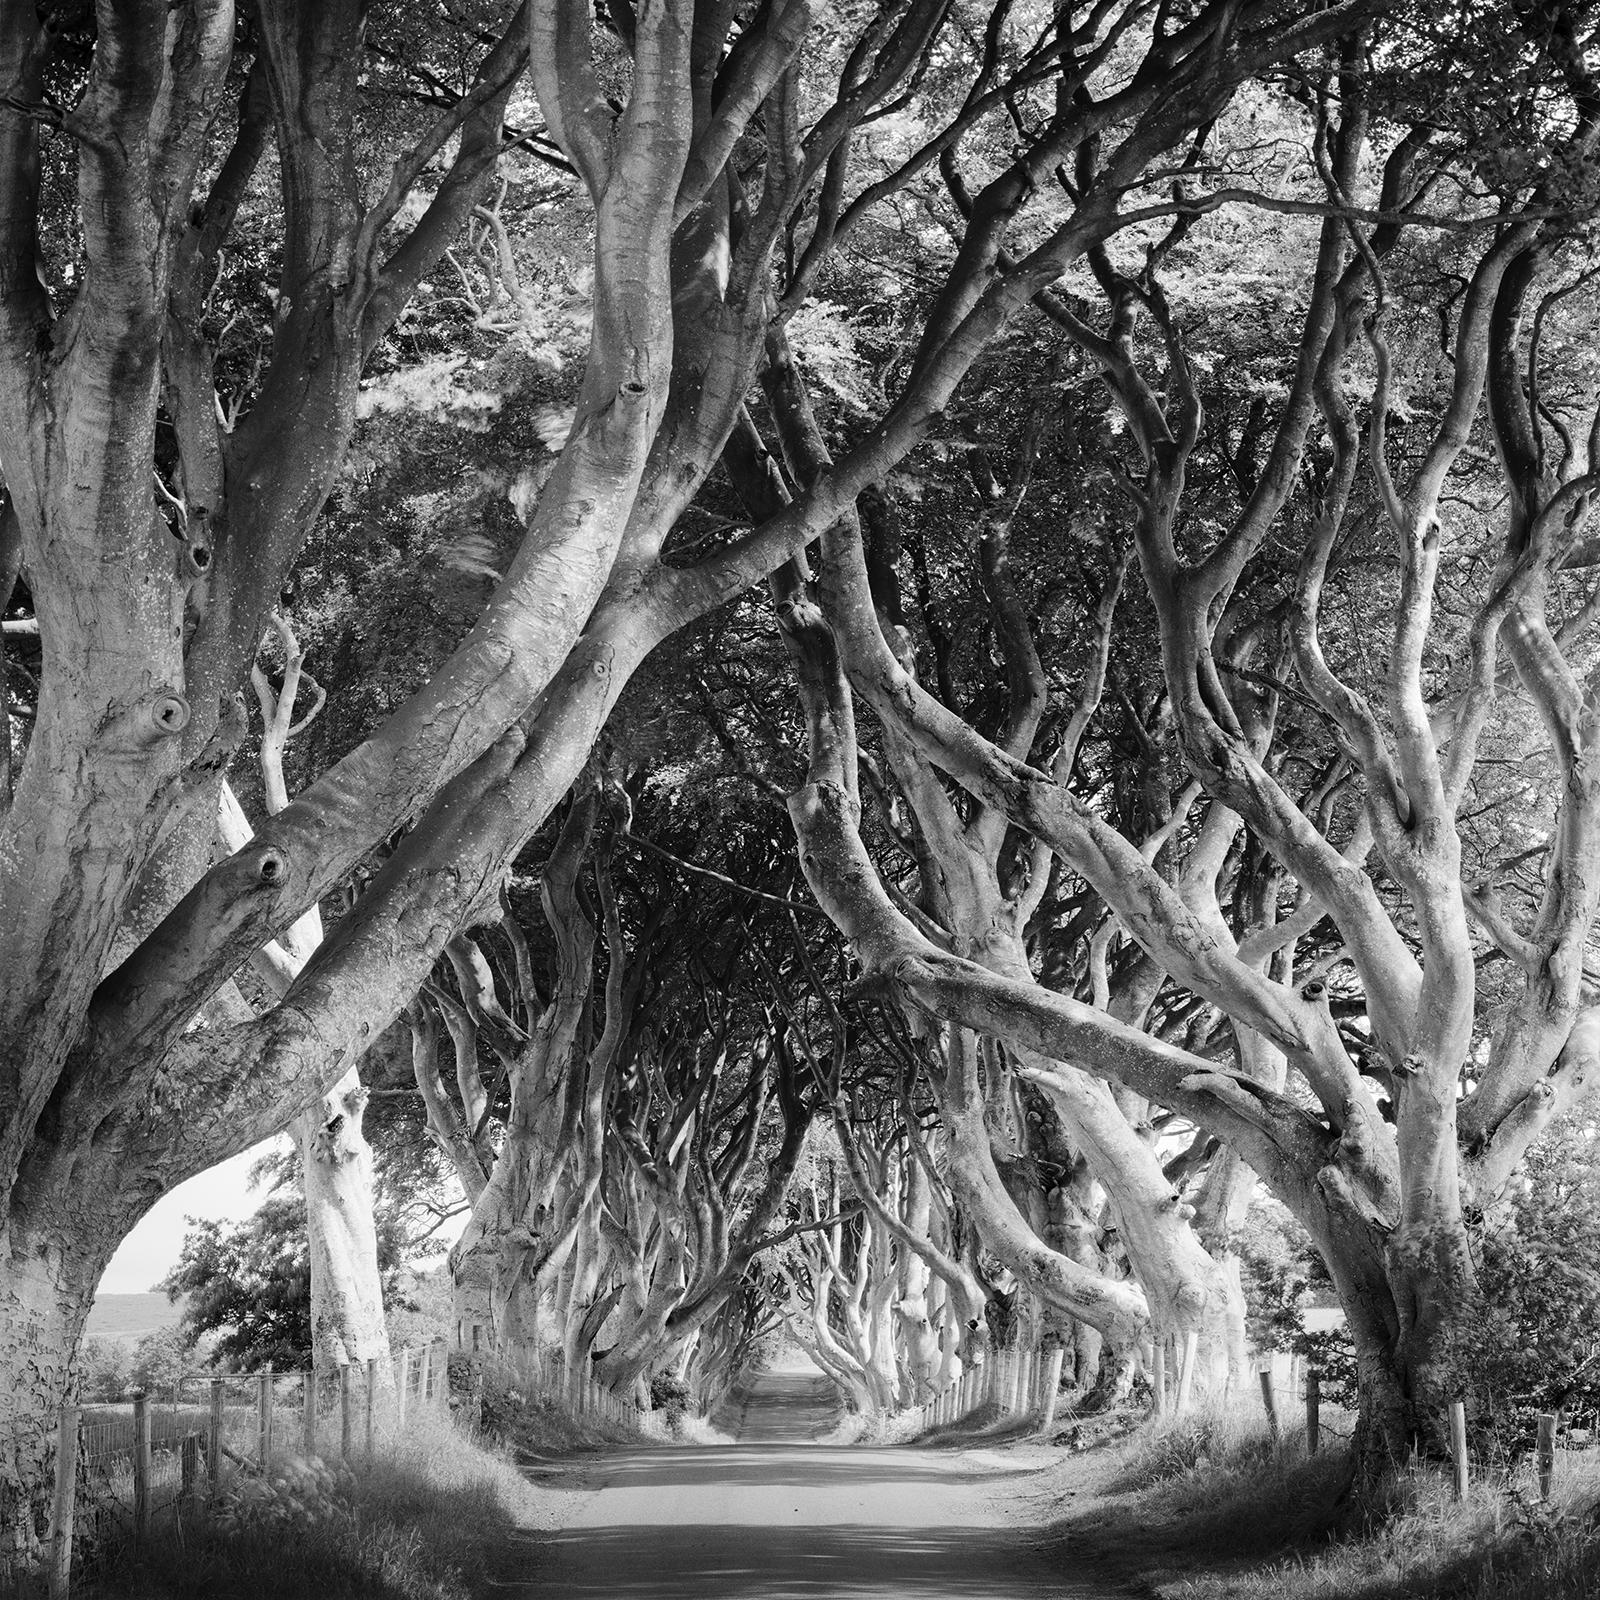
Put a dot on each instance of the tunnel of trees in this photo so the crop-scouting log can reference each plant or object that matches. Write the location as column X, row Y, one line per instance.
column 851, row 668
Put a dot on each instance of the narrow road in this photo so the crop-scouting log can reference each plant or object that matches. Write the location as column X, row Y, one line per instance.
column 776, row 1516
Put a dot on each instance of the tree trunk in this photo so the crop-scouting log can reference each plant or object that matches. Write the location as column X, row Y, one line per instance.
column 1116, row 1309
column 347, row 1320
column 347, row 1317
column 47, row 1283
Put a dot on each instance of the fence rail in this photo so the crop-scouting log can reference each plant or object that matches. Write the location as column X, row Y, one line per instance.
column 120, row 1467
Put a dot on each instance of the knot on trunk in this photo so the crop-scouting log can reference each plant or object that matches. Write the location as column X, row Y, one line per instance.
column 169, row 713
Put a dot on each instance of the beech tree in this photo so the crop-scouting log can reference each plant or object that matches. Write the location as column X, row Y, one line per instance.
column 640, row 1153
column 1380, row 1179
column 346, row 1291
column 156, row 530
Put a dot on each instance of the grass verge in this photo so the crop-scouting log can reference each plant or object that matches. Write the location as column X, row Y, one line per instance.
column 1213, row 1507
column 427, row 1519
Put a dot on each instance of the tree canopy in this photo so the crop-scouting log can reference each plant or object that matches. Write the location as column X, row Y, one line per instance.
column 939, row 633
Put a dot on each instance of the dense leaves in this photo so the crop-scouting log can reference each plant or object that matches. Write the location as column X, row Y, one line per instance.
column 1534, row 1344
column 246, row 1286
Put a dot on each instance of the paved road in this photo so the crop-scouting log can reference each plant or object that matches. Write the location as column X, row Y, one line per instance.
column 776, row 1516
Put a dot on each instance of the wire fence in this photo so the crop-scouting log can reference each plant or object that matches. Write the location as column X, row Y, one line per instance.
column 117, row 1469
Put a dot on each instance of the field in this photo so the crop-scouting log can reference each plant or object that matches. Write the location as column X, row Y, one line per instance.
column 127, row 1318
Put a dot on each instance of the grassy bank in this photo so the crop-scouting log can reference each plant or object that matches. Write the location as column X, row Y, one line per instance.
column 428, row 1519
column 423, row 1521
column 1214, row 1508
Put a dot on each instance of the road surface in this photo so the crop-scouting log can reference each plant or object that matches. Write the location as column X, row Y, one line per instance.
column 776, row 1516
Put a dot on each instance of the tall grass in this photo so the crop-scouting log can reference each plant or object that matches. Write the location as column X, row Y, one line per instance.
column 1234, row 1513
column 425, row 1520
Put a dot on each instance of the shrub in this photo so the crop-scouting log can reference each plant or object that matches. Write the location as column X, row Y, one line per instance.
column 105, row 1372
column 300, row 1494
column 1536, row 1345
column 668, row 1393
column 1282, row 1275
column 1280, row 1271
column 159, row 1360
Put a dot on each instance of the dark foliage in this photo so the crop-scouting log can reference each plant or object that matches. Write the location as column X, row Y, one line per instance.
column 250, row 1283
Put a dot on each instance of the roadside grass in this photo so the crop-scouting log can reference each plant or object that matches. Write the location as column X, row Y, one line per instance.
column 1214, row 1507
column 422, row 1521
column 429, row 1518
column 985, row 1424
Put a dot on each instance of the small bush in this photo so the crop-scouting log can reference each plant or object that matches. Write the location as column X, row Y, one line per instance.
column 1534, row 1345
column 299, row 1495
column 105, row 1372
column 668, row 1393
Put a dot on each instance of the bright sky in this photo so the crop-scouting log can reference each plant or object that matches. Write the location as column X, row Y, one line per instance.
column 151, row 1250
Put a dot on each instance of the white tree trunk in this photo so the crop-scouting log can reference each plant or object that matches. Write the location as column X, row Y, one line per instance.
column 347, row 1321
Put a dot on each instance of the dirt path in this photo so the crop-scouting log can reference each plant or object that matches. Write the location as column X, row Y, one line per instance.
column 776, row 1516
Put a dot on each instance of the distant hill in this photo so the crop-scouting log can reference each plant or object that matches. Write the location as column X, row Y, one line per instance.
column 129, row 1317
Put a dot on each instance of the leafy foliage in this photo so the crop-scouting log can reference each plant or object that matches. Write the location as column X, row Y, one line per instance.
column 250, row 1283
column 1535, row 1346
column 1278, row 1267
column 1283, row 1275
column 104, row 1370
column 160, row 1359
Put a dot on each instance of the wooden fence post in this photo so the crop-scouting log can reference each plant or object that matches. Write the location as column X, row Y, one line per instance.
column 1052, row 1387
column 425, row 1378
column 1458, row 1446
column 141, row 1465
column 308, row 1412
column 1313, row 1409
column 58, row 1575
column 475, row 1408
column 345, row 1418
column 402, row 1368
column 1269, row 1399
column 214, row 1440
column 1158, row 1374
column 264, row 1419
column 372, row 1383
column 1547, row 1453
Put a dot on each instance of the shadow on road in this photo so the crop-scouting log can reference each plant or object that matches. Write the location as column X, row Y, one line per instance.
column 778, row 1406
column 778, row 1516
column 721, row 1562
column 802, row 1466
